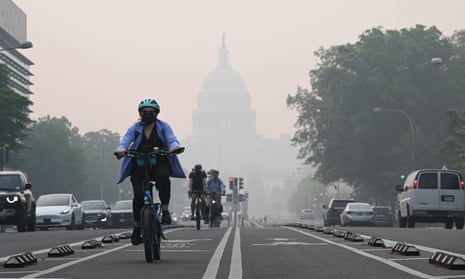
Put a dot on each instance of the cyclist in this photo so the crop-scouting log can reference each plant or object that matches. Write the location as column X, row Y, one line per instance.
column 146, row 134
column 197, row 182
column 215, row 185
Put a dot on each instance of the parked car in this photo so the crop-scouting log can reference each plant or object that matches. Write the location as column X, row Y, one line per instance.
column 17, row 203
column 432, row 196
column 96, row 213
column 383, row 216
column 332, row 214
column 59, row 210
column 357, row 213
column 307, row 214
column 121, row 214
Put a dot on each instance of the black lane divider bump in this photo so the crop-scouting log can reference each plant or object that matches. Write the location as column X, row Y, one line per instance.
column 107, row 239
column 405, row 249
column 125, row 235
column 376, row 242
column 60, row 251
column 447, row 260
column 21, row 260
column 339, row 233
column 353, row 237
column 91, row 244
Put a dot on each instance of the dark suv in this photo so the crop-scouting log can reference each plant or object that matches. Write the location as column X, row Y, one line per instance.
column 17, row 204
column 332, row 215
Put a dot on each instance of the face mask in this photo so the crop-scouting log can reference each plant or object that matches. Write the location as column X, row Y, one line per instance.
column 148, row 118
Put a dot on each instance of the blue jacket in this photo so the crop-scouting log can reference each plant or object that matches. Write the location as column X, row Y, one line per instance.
column 130, row 141
column 215, row 186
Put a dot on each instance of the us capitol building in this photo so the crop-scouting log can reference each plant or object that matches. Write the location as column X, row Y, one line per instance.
column 224, row 136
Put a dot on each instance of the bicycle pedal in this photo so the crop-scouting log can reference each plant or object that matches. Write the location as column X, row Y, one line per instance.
column 163, row 236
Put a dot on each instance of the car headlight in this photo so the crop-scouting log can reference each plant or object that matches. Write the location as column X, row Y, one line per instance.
column 12, row 199
column 65, row 211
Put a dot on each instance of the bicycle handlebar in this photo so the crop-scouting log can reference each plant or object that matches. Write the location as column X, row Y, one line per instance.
column 162, row 152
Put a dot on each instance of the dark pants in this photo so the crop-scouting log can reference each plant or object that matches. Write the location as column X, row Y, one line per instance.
column 160, row 174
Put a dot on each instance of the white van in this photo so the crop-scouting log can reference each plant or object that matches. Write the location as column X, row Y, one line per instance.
column 432, row 196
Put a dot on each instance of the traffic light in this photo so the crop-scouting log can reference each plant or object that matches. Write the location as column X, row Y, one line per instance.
column 231, row 183
column 402, row 176
column 235, row 183
column 229, row 197
column 241, row 183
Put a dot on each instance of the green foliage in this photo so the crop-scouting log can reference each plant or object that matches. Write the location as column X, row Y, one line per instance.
column 101, row 167
column 337, row 129
column 454, row 145
column 14, row 114
column 53, row 157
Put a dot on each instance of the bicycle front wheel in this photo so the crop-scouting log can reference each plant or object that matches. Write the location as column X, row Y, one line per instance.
column 212, row 215
column 157, row 240
column 148, row 232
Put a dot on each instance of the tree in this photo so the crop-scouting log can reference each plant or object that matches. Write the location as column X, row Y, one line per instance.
column 53, row 157
column 14, row 116
column 337, row 129
column 101, row 167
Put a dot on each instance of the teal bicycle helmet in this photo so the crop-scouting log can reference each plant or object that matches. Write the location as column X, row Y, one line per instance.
column 149, row 103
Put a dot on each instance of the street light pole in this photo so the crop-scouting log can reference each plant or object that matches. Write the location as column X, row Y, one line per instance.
column 412, row 130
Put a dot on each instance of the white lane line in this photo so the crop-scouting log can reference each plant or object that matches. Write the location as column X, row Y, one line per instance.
column 71, row 263
column 214, row 264
column 68, row 264
column 235, row 271
column 371, row 256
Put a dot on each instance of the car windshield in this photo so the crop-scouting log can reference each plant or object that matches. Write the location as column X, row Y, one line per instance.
column 91, row 205
column 359, row 206
column 123, row 205
column 340, row 204
column 381, row 210
column 53, row 200
column 10, row 182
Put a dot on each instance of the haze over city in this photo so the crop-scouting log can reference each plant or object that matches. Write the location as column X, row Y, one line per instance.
column 95, row 60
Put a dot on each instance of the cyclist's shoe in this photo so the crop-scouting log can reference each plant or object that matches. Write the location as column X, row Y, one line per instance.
column 136, row 238
column 165, row 217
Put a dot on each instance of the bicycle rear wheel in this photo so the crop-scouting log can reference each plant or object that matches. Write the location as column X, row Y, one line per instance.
column 197, row 213
column 148, row 232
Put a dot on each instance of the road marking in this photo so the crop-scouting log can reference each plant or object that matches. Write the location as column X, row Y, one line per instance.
column 371, row 256
column 213, row 265
column 65, row 265
column 288, row 243
column 235, row 271
column 71, row 263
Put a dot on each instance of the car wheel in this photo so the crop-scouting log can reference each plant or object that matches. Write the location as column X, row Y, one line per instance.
column 449, row 224
column 459, row 223
column 31, row 222
column 410, row 221
column 21, row 224
column 71, row 225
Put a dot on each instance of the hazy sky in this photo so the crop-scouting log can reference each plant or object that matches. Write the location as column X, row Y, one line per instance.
column 96, row 59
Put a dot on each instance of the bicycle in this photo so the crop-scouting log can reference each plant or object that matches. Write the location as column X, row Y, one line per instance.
column 197, row 210
column 214, row 206
column 151, row 226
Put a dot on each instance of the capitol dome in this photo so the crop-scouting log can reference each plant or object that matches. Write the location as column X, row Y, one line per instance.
column 223, row 77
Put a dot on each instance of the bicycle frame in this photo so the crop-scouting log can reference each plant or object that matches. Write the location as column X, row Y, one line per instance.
column 151, row 227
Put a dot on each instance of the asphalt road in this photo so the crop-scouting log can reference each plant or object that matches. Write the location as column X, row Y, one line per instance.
column 252, row 251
